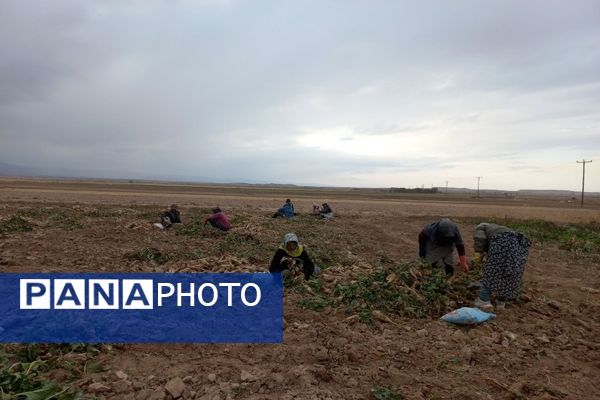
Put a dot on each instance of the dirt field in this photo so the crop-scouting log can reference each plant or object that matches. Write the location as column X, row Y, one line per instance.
column 545, row 346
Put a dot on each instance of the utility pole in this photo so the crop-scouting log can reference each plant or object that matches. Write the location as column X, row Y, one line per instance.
column 478, row 179
column 584, row 161
column 446, row 187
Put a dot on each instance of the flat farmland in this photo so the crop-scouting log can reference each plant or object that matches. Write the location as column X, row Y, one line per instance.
column 544, row 346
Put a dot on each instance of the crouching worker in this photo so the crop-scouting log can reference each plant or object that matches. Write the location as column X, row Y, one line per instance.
column 218, row 220
column 286, row 211
column 437, row 242
column 292, row 257
column 169, row 217
column 324, row 211
column 506, row 253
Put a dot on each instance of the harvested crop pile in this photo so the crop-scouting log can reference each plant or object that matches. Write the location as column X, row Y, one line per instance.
column 217, row 265
column 408, row 289
column 411, row 290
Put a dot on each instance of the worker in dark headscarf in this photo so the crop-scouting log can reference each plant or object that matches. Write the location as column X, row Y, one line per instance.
column 292, row 257
column 437, row 242
column 169, row 217
column 324, row 211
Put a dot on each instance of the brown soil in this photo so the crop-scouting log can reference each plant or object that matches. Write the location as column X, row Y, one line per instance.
column 544, row 347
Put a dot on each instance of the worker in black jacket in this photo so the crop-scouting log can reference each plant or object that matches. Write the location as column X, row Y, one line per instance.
column 437, row 242
column 171, row 216
column 292, row 256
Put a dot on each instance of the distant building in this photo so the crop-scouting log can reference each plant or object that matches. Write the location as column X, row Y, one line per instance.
column 415, row 190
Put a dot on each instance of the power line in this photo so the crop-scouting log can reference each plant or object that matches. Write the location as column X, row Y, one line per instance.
column 584, row 161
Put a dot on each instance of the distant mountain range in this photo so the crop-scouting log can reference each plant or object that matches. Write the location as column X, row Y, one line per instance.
column 67, row 173
column 22, row 171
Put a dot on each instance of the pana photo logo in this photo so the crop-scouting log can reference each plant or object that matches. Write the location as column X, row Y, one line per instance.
column 141, row 308
column 129, row 294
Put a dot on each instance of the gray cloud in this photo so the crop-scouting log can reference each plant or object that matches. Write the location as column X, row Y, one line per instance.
column 397, row 94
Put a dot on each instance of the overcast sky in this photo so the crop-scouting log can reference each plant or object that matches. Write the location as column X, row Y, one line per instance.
column 370, row 93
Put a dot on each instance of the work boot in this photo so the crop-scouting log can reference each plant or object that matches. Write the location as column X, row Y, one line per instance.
column 449, row 270
column 484, row 305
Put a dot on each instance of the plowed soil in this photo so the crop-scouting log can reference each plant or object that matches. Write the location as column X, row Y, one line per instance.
column 545, row 346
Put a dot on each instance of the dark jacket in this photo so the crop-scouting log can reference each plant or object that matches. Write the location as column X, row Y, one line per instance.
column 441, row 233
column 277, row 266
column 325, row 209
column 173, row 215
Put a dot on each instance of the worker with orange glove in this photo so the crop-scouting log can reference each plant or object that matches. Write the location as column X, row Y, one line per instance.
column 437, row 242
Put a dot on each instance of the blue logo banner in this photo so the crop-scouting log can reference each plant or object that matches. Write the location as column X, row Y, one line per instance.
column 141, row 308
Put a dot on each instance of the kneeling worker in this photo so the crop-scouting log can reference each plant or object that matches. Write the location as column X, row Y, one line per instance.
column 218, row 220
column 292, row 256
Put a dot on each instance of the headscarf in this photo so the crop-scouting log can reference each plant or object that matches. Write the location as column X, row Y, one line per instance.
column 480, row 239
column 480, row 233
column 291, row 237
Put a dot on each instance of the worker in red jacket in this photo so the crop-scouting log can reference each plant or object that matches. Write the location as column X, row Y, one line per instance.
column 218, row 219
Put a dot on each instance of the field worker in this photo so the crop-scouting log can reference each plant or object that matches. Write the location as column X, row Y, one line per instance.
column 169, row 217
column 506, row 253
column 437, row 242
column 218, row 220
column 325, row 211
column 286, row 211
column 292, row 257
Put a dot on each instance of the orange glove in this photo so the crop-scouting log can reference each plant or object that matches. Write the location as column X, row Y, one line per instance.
column 463, row 263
